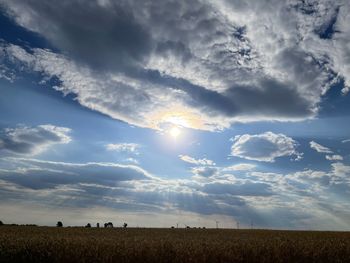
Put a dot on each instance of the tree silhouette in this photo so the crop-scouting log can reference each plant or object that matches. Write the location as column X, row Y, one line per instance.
column 1, row 223
column 88, row 225
column 125, row 225
column 109, row 224
column 98, row 225
column 59, row 224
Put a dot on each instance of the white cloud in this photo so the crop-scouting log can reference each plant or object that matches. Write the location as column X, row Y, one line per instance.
column 335, row 157
column 345, row 141
column 239, row 167
column 192, row 160
column 264, row 147
column 32, row 140
column 124, row 147
column 132, row 160
column 341, row 170
column 319, row 148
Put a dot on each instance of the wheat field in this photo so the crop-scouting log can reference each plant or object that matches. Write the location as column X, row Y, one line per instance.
column 50, row 244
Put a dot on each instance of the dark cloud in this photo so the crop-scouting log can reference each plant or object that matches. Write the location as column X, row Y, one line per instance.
column 44, row 175
column 104, row 37
column 32, row 140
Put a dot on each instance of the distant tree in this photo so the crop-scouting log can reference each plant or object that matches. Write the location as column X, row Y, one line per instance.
column 88, row 225
column 172, row 227
column 98, row 225
column 1, row 223
column 109, row 224
column 125, row 225
column 59, row 224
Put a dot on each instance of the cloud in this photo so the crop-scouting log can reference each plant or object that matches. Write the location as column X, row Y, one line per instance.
column 132, row 160
column 239, row 167
column 37, row 174
column 335, row 157
column 130, row 189
column 341, row 170
column 204, row 63
column 32, row 140
column 192, row 160
column 345, row 141
column 124, row 147
column 264, row 147
column 319, row 148
column 204, row 171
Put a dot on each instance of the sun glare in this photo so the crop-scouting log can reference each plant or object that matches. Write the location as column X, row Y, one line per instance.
column 174, row 132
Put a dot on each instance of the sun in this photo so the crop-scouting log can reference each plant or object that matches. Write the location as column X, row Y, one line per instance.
column 174, row 132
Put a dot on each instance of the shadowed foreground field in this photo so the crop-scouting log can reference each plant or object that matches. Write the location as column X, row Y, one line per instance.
column 45, row 244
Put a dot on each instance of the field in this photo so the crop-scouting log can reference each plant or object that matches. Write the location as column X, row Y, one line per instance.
column 50, row 244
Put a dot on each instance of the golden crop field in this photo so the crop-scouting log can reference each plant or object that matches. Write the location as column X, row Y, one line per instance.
column 50, row 244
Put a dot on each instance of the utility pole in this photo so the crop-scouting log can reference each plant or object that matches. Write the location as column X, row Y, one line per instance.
column 217, row 224
column 177, row 225
column 251, row 225
column 237, row 225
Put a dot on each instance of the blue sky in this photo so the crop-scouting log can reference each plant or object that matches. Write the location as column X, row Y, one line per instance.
column 175, row 112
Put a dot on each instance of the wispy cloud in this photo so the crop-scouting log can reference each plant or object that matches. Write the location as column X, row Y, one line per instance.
column 320, row 148
column 189, row 159
column 124, row 147
column 335, row 157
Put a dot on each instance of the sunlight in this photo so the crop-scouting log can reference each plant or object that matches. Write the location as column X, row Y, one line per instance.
column 174, row 132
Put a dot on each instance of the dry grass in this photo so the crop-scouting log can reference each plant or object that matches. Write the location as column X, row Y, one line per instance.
column 44, row 244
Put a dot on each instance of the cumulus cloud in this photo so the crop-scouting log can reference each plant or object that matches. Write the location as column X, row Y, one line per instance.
column 124, row 147
column 335, row 157
column 202, row 63
column 32, row 140
column 319, row 148
column 264, row 147
column 189, row 159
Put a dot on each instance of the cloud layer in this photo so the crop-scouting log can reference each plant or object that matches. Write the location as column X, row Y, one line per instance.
column 300, row 198
column 203, row 64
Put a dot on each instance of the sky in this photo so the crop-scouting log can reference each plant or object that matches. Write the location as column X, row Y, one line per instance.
column 162, row 113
